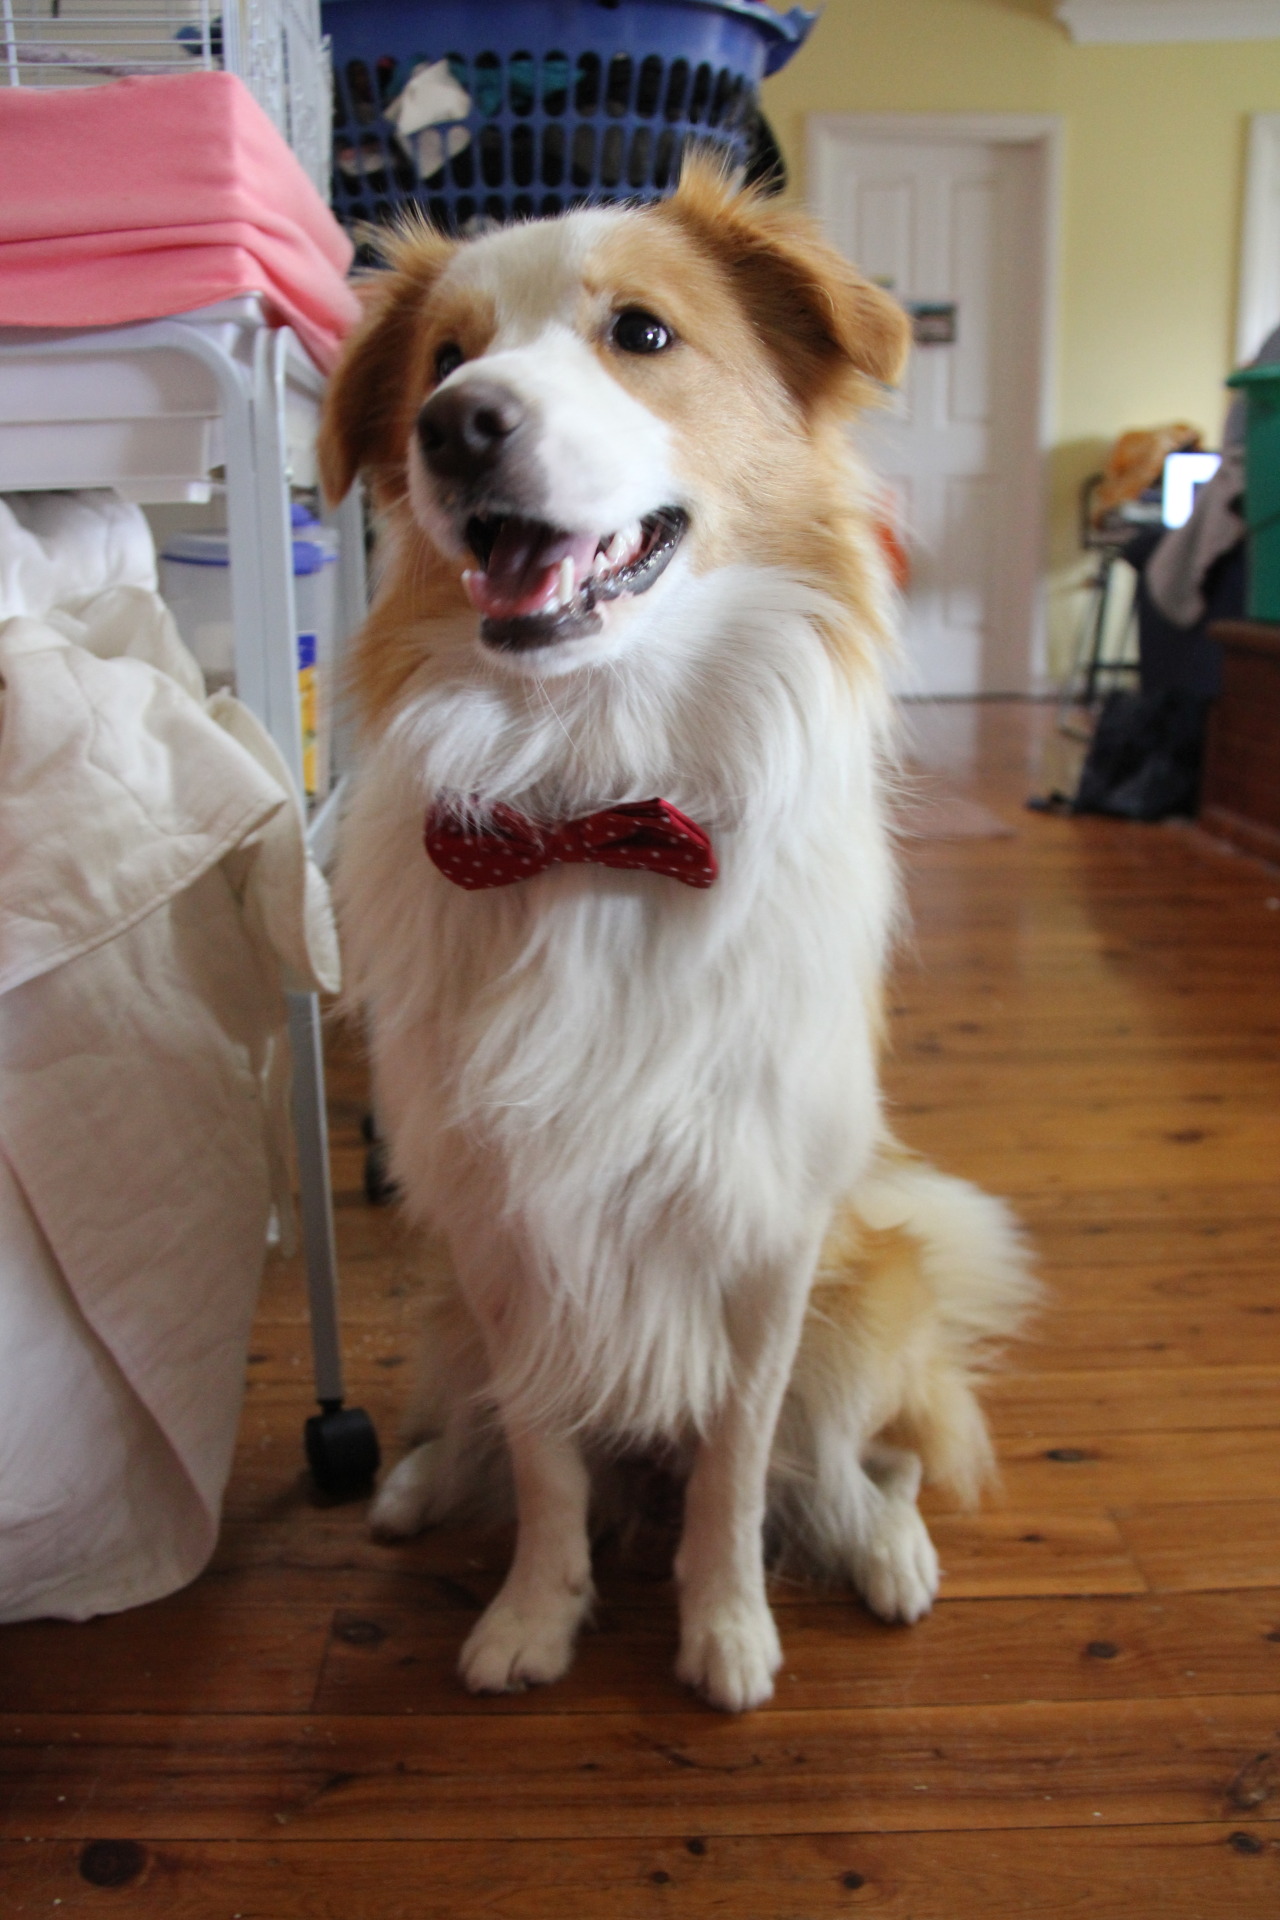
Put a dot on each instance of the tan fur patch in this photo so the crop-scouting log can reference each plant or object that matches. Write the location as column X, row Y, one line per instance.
column 383, row 375
column 829, row 329
column 870, row 1284
column 395, row 640
column 374, row 396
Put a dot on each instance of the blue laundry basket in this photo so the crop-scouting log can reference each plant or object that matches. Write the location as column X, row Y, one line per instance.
column 538, row 105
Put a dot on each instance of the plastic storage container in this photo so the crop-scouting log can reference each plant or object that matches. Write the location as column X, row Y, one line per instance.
column 526, row 107
column 1261, row 387
column 195, row 581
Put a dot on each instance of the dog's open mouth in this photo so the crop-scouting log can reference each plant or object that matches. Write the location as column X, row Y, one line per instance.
column 536, row 584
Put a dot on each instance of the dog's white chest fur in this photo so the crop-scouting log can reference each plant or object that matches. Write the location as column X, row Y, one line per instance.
column 615, row 1094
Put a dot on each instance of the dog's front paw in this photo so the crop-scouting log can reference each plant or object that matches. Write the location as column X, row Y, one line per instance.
column 896, row 1571
column 730, row 1653
column 519, row 1643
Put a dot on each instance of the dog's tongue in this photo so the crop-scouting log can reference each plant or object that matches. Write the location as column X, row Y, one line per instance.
column 525, row 565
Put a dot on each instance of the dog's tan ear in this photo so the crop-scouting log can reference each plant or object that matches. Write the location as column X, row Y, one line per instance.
column 377, row 379
column 828, row 328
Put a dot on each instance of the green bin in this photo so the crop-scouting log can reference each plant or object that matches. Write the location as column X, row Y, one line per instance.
column 1261, row 387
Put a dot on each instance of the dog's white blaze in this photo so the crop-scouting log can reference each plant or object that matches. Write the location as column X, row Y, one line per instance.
column 605, row 459
column 531, row 275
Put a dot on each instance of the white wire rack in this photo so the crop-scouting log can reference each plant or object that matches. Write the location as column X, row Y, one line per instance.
column 275, row 46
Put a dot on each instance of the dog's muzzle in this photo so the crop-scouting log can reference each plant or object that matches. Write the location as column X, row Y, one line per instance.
column 536, row 583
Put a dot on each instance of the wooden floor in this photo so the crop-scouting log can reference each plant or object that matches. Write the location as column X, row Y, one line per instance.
column 1088, row 1021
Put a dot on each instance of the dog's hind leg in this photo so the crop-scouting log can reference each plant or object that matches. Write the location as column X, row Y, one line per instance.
column 434, row 1478
column 459, row 1459
column 920, row 1276
column 526, row 1634
column 877, row 1534
column 729, row 1647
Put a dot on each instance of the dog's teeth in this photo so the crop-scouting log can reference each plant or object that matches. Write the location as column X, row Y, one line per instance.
column 567, row 584
column 615, row 550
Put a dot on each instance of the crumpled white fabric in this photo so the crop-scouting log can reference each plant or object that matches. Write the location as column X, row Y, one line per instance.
column 57, row 548
column 155, row 902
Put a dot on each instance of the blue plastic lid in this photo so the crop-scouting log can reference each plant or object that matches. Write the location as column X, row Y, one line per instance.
column 198, row 549
column 784, row 33
column 309, row 556
column 212, row 549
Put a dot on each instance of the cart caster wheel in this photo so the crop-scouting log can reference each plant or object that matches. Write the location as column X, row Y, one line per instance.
column 342, row 1450
column 379, row 1188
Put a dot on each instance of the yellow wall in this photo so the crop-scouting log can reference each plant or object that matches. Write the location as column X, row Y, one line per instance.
column 1154, row 172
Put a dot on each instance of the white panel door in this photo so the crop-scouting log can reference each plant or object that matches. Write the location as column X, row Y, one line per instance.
column 952, row 223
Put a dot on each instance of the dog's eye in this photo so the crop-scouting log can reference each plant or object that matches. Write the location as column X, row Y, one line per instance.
column 449, row 358
column 636, row 331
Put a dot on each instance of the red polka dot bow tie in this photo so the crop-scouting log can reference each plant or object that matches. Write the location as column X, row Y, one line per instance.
column 651, row 835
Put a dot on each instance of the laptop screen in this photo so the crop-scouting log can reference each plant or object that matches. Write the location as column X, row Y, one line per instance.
column 1184, row 475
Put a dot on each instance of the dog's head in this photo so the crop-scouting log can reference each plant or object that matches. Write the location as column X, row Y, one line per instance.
column 576, row 410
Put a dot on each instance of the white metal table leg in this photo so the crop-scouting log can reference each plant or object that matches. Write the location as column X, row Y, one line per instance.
column 353, row 604
column 341, row 1444
column 315, row 1193
column 277, row 609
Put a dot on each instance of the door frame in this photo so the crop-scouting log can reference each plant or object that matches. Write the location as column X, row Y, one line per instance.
column 828, row 133
column 1258, row 292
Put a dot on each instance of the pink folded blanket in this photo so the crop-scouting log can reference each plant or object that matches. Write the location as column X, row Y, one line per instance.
column 148, row 197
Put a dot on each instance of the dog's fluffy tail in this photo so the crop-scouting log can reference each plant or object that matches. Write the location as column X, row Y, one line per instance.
column 921, row 1278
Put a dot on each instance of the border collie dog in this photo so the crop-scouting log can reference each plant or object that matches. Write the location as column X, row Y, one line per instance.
column 616, row 890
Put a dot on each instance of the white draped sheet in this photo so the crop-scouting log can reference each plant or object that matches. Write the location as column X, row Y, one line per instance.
column 156, row 901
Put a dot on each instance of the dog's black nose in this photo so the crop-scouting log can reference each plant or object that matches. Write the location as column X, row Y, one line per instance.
column 464, row 431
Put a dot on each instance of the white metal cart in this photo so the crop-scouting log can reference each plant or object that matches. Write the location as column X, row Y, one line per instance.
column 153, row 409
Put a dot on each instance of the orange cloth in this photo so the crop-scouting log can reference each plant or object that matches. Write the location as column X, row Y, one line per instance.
column 1136, row 462
column 893, row 550
column 149, row 197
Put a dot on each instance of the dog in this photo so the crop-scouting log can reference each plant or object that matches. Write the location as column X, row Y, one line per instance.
column 616, row 888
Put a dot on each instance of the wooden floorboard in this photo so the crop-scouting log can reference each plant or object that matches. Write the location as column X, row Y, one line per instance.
column 1207, row 1871
column 1087, row 1019
column 394, row 1653
column 658, row 1768
column 400, row 1659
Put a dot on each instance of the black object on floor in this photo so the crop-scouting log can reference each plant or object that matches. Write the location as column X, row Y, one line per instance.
column 1145, row 756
